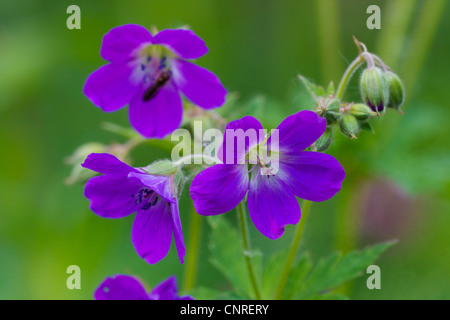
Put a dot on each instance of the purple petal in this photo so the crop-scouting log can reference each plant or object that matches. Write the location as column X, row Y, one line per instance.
column 166, row 290
column 162, row 185
column 120, row 287
column 199, row 85
column 249, row 136
column 160, row 115
column 312, row 175
column 110, row 87
column 178, row 232
column 111, row 196
column 299, row 131
column 107, row 164
column 271, row 205
column 219, row 189
column 185, row 43
column 151, row 234
column 119, row 43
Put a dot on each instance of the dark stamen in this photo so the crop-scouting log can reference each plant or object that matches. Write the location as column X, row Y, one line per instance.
column 154, row 201
column 154, row 88
column 162, row 63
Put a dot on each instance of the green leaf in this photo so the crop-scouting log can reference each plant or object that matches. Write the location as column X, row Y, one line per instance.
column 226, row 255
column 366, row 126
column 273, row 268
column 312, row 88
column 203, row 293
column 297, row 276
column 335, row 270
column 331, row 90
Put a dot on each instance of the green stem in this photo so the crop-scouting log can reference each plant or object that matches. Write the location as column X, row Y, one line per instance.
column 247, row 250
column 193, row 252
column 293, row 250
column 348, row 74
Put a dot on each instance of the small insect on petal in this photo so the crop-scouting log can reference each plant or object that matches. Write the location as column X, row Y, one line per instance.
column 153, row 89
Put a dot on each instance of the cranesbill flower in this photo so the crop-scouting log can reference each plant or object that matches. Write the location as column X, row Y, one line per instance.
column 122, row 190
column 147, row 72
column 271, row 193
column 125, row 287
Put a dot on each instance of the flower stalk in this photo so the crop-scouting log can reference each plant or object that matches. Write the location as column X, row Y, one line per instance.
column 293, row 250
column 347, row 76
column 247, row 249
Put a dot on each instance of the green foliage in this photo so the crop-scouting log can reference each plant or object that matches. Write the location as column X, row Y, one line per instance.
column 314, row 90
column 330, row 272
column 203, row 293
column 273, row 268
column 306, row 279
column 331, row 90
column 226, row 255
column 365, row 125
column 298, row 273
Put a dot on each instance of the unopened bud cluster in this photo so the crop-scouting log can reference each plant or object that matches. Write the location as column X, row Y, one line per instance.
column 380, row 88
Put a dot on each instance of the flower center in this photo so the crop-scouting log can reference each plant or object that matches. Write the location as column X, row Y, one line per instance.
column 264, row 156
column 155, row 69
column 258, row 157
column 146, row 198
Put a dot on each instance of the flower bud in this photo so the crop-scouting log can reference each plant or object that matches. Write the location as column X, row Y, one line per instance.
column 396, row 90
column 349, row 126
column 162, row 168
column 172, row 171
column 361, row 111
column 324, row 142
column 374, row 88
column 78, row 173
column 332, row 113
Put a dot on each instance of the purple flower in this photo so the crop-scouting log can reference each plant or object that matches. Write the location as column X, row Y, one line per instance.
column 272, row 199
column 124, row 287
column 122, row 190
column 147, row 72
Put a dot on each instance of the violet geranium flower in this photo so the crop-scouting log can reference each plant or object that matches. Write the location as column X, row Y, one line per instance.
column 122, row 190
column 125, row 287
column 272, row 199
column 147, row 72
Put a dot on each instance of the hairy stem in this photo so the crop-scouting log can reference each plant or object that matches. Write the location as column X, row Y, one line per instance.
column 247, row 249
column 293, row 250
column 348, row 74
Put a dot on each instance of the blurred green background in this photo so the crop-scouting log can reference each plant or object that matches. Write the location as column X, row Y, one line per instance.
column 397, row 184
